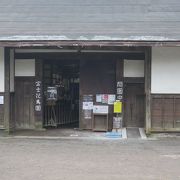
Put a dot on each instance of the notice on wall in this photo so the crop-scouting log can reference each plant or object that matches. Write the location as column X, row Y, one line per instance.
column 98, row 98
column 104, row 98
column 1, row 100
column 87, row 105
column 100, row 109
column 117, row 107
column 117, row 122
column 87, row 98
column 52, row 93
column 111, row 98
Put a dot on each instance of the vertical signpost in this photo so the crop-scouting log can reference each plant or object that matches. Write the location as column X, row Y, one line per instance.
column 87, row 106
column 38, row 104
column 117, row 119
column 118, row 104
column 38, row 97
column 119, row 90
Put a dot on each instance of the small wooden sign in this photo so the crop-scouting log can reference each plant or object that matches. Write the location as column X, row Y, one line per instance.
column 117, row 122
column 100, row 109
column 117, row 107
column 52, row 93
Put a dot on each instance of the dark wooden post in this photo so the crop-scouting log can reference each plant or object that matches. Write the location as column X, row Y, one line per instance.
column 12, row 88
column 7, row 100
column 119, row 79
column 80, row 96
column 119, row 70
column 12, row 70
column 38, row 94
column 148, row 89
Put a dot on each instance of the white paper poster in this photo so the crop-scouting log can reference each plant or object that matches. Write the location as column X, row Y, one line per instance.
column 98, row 98
column 104, row 98
column 100, row 109
column 111, row 98
column 87, row 105
column 1, row 99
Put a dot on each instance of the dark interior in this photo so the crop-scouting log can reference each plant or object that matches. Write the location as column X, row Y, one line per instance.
column 63, row 111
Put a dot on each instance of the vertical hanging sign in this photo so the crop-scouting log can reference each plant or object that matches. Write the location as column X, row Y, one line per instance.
column 38, row 97
column 120, row 90
column 117, row 121
column 38, row 94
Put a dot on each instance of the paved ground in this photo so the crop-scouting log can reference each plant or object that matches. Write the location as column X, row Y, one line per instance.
column 59, row 132
column 89, row 159
column 65, row 132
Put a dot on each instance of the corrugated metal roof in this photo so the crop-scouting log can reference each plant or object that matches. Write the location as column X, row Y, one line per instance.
column 155, row 20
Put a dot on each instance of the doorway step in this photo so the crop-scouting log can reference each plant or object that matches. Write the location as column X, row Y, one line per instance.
column 135, row 133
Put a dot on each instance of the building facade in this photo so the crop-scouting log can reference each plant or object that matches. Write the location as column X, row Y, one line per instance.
column 68, row 66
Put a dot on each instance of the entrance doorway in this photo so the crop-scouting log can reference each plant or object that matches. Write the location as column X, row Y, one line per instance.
column 134, row 105
column 62, row 108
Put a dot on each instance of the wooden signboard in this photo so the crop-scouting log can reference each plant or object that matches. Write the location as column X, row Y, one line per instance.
column 117, row 107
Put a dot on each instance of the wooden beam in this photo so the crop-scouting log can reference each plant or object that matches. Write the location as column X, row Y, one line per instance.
column 38, row 94
column 78, row 43
column 120, row 78
column 119, row 69
column 71, row 48
column 7, row 99
column 58, row 56
column 12, row 70
column 133, row 79
column 148, row 89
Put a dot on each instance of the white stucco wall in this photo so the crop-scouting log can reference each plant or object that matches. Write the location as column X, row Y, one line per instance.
column 1, row 69
column 24, row 67
column 133, row 68
column 165, row 70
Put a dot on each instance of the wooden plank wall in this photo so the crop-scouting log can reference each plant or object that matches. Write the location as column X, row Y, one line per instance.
column 24, row 103
column 165, row 112
column 97, row 76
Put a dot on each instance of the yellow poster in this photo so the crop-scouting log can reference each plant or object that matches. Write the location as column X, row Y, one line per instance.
column 117, row 107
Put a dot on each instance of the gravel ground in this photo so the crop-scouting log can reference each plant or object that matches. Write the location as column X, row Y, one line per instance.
column 87, row 159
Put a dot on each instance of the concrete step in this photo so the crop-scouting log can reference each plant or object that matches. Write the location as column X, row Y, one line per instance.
column 136, row 133
column 133, row 133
